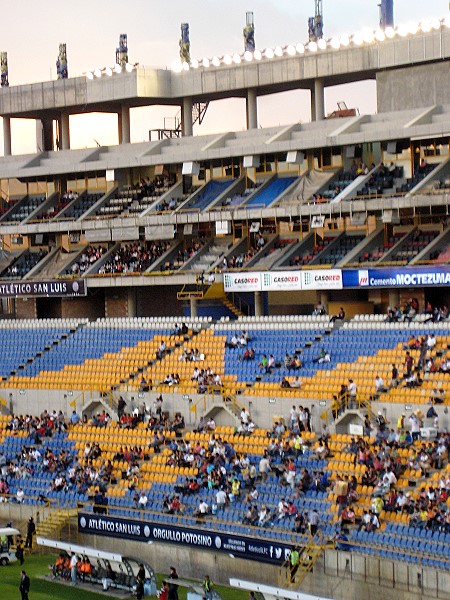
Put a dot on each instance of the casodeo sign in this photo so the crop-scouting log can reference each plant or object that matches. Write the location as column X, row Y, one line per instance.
column 281, row 280
column 242, row 282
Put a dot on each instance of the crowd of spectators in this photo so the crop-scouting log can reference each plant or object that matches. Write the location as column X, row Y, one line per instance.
column 134, row 258
column 88, row 257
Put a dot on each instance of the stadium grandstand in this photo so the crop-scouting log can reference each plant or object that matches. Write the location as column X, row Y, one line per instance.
column 231, row 349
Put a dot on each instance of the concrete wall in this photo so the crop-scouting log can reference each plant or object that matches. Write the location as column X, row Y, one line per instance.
column 413, row 87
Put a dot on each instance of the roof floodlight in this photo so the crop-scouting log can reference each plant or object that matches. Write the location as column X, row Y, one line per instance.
column 205, row 62
column 248, row 56
column 290, row 50
column 185, row 66
column 402, row 30
column 194, row 63
column 368, row 36
column 109, row 71
column 446, row 21
column 335, row 43
column 216, row 61
column 97, row 72
column 177, row 66
column 269, row 53
column 257, row 55
column 435, row 24
column 117, row 68
column 345, row 40
column 357, row 39
column 89, row 75
column 312, row 47
column 128, row 67
column 300, row 48
column 278, row 51
column 380, row 36
column 413, row 28
column 425, row 26
column 227, row 60
column 237, row 58
column 389, row 32
column 322, row 44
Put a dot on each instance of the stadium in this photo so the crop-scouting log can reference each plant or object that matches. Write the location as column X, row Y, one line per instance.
column 228, row 351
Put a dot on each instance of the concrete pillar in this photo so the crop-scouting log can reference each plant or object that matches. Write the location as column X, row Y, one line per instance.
column 259, row 308
column 7, row 136
column 124, row 122
column 324, row 300
column 64, row 131
column 132, row 302
column 119, row 126
column 186, row 117
column 319, row 100
column 44, row 135
column 394, row 298
column 252, row 109
column 194, row 307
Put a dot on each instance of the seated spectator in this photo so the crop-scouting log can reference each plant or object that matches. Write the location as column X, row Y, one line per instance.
column 249, row 354
column 339, row 317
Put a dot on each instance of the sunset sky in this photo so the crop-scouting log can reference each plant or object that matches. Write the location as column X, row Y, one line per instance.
column 31, row 33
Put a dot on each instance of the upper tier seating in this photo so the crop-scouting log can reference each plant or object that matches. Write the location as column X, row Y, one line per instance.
column 23, row 264
column 270, row 192
column 80, row 205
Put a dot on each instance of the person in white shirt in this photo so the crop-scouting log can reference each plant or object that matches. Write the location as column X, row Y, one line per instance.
column 221, row 498
column 143, row 500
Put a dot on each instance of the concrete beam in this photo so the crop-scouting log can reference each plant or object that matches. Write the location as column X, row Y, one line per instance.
column 6, row 136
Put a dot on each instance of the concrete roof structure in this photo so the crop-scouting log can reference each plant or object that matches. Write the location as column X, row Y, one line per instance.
column 143, row 86
column 431, row 122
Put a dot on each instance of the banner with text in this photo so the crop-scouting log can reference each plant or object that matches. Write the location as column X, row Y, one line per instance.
column 53, row 288
column 281, row 280
column 242, row 282
column 147, row 531
column 322, row 279
column 397, row 277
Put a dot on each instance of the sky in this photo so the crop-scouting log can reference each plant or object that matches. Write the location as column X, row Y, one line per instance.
column 31, row 33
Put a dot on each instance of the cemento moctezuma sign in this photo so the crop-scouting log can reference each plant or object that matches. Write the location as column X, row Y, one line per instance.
column 49, row 288
column 269, row 551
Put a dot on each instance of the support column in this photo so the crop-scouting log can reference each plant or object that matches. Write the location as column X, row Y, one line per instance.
column 252, row 109
column 124, row 121
column 259, row 309
column 186, row 117
column 194, row 307
column 319, row 100
column 64, row 131
column 323, row 298
column 44, row 135
column 7, row 136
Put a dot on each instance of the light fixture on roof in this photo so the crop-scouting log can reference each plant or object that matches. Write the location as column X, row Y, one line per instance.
column 117, row 68
column 278, row 51
column 216, row 61
column 435, row 24
column 335, row 43
column 97, row 72
column 402, row 30
column 357, row 39
column 89, row 75
column 185, row 66
column 322, row 44
column 205, row 62
column 237, row 58
column 108, row 71
column 300, row 48
column 290, row 50
column 413, row 28
column 257, row 54
column 227, row 59
column 380, row 36
column 312, row 47
column 177, row 67
column 194, row 63
column 248, row 56
column 389, row 32
column 368, row 36
column 345, row 40
column 269, row 53
column 425, row 26
column 128, row 67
